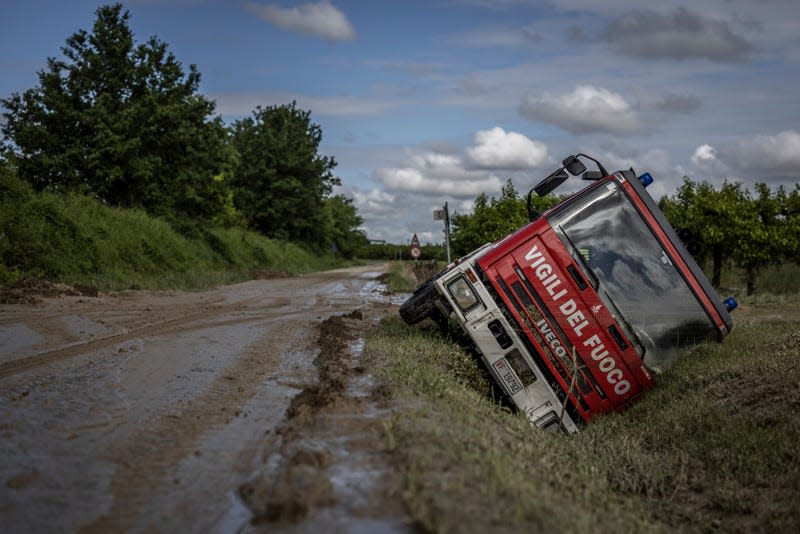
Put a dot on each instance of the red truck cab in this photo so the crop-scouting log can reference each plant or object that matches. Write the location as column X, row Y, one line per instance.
column 576, row 312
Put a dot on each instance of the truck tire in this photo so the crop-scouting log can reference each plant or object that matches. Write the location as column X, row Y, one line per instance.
column 420, row 304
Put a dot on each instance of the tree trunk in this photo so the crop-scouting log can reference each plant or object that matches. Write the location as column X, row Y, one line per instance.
column 751, row 279
column 716, row 257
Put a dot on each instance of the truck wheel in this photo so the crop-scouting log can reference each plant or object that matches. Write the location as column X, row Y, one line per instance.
column 420, row 305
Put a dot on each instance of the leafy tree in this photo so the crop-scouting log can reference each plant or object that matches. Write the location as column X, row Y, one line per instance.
column 717, row 218
column 121, row 122
column 341, row 222
column 768, row 238
column 790, row 210
column 280, row 180
column 731, row 223
column 493, row 218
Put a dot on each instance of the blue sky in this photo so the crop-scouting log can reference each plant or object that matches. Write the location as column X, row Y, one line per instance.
column 439, row 100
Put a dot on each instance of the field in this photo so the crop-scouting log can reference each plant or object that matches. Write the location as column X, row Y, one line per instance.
column 714, row 445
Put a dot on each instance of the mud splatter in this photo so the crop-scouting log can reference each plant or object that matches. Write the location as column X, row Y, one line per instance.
column 328, row 453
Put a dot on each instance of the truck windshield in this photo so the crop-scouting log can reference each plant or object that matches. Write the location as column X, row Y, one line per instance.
column 632, row 273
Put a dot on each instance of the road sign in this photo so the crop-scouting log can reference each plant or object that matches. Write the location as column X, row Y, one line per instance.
column 439, row 215
column 414, row 249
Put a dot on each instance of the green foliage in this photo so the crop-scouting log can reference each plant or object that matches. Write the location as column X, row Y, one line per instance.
column 769, row 238
column 76, row 239
column 280, row 182
column 121, row 122
column 340, row 226
column 124, row 123
column 716, row 217
column 406, row 276
column 732, row 224
column 493, row 218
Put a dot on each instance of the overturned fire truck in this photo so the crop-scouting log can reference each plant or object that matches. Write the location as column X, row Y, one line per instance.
column 577, row 312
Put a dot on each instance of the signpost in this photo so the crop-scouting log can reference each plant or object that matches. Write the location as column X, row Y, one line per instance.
column 444, row 215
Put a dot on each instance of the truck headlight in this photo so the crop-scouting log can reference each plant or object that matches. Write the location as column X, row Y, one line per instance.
column 463, row 294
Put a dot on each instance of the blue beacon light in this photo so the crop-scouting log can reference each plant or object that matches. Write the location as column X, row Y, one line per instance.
column 646, row 179
column 730, row 303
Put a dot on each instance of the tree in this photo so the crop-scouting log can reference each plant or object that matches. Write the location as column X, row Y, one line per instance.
column 733, row 224
column 340, row 226
column 768, row 237
column 121, row 122
column 494, row 218
column 790, row 210
column 280, row 180
column 717, row 219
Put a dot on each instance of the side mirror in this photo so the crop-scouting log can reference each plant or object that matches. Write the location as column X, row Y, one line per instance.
column 551, row 182
column 573, row 165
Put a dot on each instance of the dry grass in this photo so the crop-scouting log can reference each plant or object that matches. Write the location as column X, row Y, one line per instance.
column 714, row 445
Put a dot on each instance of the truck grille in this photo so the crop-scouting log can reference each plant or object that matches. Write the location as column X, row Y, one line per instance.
column 537, row 318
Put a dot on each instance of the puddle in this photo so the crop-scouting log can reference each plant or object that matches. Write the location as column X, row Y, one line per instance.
column 17, row 338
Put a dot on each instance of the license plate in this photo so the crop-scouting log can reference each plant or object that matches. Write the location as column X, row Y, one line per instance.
column 507, row 375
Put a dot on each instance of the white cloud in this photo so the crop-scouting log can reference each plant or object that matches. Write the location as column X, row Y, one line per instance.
column 448, row 165
column 498, row 149
column 587, row 109
column 320, row 19
column 768, row 154
column 414, row 180
column 703, row 154
column 372, row 201
column 465, row 173
column 775, row 158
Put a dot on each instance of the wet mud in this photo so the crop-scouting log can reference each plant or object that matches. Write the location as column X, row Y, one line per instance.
column 240, row 409
column 327, row 470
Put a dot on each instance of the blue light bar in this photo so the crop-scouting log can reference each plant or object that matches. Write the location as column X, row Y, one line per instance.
column 646, row 179
column 730, row 303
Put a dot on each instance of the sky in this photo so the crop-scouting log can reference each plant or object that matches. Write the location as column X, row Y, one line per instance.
column 427, row 102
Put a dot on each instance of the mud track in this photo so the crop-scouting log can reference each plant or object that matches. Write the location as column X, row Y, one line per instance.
column 241, row 409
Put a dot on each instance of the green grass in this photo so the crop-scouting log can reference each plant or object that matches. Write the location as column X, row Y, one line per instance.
column 715, row 444
column 405, row 276
column 76, row 239
column 783, row 279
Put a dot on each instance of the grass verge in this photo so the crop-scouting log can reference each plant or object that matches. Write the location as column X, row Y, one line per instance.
column 714, row 445
column 405, row 276
column 76, row 239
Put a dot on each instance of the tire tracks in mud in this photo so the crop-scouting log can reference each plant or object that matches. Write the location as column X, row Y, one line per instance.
column 146, row 461
column 170, row 325
column 172, row 441
column 331, row 427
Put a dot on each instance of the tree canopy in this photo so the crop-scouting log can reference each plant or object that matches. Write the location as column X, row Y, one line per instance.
column 730, row 224
column 120, row 121
column 280, row 180
column 124, row 122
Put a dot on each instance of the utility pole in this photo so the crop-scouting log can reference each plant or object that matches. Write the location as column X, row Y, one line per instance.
column 444, row 215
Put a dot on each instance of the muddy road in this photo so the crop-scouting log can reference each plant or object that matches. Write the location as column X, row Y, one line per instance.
column 239, row 409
